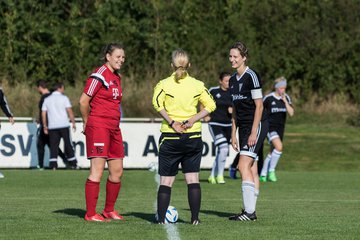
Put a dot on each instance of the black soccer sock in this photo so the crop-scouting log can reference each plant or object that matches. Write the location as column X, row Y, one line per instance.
column 194, row 198
column 163, row 200
column 236, row 161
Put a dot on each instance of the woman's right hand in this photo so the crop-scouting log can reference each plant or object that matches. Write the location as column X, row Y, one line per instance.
column 84, row 127
column 235, row 144
column 178, row 127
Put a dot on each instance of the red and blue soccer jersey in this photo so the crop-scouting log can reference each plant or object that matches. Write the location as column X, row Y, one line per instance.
column 104, row 87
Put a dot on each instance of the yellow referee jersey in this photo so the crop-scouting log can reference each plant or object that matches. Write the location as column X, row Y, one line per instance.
column 180, row 100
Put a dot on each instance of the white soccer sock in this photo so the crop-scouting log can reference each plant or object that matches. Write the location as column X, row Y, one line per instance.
column 248, row 192
column 214, row 169
column 265, row 166
column 275, row 155
column 257, row 192
column 221, row 158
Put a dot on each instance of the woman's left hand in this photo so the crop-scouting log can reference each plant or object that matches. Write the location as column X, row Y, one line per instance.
column 187, row 124
column 252, row 139
column 178, row 127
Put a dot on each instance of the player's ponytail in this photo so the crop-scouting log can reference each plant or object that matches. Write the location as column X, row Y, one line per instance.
column 108, row 49
column 180, row 63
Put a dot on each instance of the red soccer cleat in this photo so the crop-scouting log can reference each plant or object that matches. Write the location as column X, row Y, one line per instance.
column 112, row 215
column 96, row 218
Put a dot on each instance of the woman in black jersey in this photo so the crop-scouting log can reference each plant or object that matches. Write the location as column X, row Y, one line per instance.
column 248, row 117
column 277, row 104
column 220, row 126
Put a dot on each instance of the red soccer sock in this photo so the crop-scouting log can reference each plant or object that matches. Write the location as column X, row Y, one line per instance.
column 92, row 190
column 112, row 192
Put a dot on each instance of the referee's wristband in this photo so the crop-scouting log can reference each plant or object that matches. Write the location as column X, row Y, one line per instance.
column 172, row 123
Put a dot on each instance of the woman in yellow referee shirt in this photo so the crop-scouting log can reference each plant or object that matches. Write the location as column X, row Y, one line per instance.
column 176, row 98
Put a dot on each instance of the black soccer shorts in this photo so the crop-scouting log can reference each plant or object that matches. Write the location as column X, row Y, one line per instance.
column 220, row 134
column 244, row 133
column 175, row 149
column 275, row 132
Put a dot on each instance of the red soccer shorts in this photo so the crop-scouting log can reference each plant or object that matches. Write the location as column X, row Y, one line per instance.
column 104, row 143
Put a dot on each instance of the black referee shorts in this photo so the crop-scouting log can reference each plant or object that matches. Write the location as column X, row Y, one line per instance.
column 175, row 149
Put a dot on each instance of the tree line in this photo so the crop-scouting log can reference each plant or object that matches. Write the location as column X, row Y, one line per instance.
column 314, row 44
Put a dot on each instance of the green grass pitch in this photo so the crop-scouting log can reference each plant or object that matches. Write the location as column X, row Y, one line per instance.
column 301, row 205
column 317, row 197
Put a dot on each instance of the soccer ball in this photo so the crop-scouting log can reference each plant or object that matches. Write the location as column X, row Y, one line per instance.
column 171, row 215
column 153, row 166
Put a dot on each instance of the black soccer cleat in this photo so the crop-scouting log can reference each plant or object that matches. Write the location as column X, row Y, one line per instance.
column 53, row 165
column 244, row 216
column 195, row 222
column 232, row 217
column 72, row 165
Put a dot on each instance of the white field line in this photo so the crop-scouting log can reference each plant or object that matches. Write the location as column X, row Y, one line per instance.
column 171, row 229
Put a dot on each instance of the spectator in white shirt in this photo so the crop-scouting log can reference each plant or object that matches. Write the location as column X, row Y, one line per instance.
column 55, row 112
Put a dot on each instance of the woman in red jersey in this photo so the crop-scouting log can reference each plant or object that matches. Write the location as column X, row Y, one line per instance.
column 100, row 110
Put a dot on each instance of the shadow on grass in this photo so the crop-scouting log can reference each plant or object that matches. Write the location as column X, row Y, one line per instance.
column 72, row 211
column 149, row 217
column 203, row 181
column 212, row 212
column 217, row 213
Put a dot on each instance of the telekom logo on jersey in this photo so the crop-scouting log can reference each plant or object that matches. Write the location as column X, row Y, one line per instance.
column 115, row 92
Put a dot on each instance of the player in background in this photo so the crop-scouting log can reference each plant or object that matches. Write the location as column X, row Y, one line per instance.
column 176, row 98
column 55, row 113
column 100, row 110
column 5, row 107
column 278, row 105
column 249, row 118
column 220, row 126
column 42, row 138
column 6, row 110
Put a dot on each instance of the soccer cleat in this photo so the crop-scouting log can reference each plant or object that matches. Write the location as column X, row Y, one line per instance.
column 212, row 180
column 195, row 222
column 38, row 167
column 112, row 215
column 220, row 179
column 244, row 216
column 96, row 218
column 53, row 165
column 234, row 216
column 232, row 173
column 263, row 179
column 72, row 165
column 272, row 177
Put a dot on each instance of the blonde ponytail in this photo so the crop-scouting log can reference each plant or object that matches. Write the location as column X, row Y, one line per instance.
column 180, row 63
